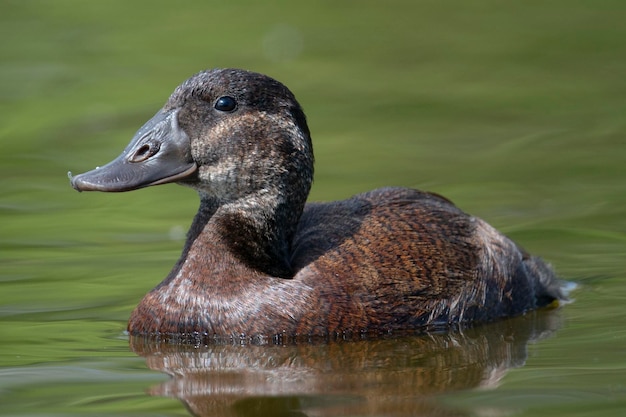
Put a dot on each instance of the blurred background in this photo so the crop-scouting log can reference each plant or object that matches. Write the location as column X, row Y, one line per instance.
column 513, row 110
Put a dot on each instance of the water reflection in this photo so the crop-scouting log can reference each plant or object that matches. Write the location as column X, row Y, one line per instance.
column 395, row 376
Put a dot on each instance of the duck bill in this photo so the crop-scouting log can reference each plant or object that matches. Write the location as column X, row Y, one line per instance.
column 159, row 153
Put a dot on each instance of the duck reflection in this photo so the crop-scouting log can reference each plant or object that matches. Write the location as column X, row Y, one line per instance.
column 392, row 376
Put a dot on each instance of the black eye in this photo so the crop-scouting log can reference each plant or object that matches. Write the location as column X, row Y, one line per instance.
column 225, row 103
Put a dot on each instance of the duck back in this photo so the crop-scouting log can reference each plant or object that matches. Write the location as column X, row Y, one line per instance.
column 410, row 259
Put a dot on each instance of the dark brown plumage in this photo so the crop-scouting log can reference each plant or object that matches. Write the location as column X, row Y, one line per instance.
column 258, row 262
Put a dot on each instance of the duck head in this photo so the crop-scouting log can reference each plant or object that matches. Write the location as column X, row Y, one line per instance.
column 229, row 134
column 241, row 140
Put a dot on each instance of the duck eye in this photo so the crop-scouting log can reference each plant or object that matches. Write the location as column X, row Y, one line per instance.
column 225, row 103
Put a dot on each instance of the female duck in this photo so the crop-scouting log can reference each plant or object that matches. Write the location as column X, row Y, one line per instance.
column 259, row 262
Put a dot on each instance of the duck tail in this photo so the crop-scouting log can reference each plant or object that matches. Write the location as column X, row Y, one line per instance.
column 549, row 288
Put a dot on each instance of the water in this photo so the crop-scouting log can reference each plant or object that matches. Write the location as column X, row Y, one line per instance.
column 515, row 112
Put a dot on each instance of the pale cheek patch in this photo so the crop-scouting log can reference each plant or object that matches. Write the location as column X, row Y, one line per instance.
column 235, row 166
column 221, row 179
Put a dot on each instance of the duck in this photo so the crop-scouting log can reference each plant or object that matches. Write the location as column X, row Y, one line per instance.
column 260, row 262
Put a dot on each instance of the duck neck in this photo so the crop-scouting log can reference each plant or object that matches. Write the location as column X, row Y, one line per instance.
column 256, row 230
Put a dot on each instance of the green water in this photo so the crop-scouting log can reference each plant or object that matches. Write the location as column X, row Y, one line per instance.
column 514, row 110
